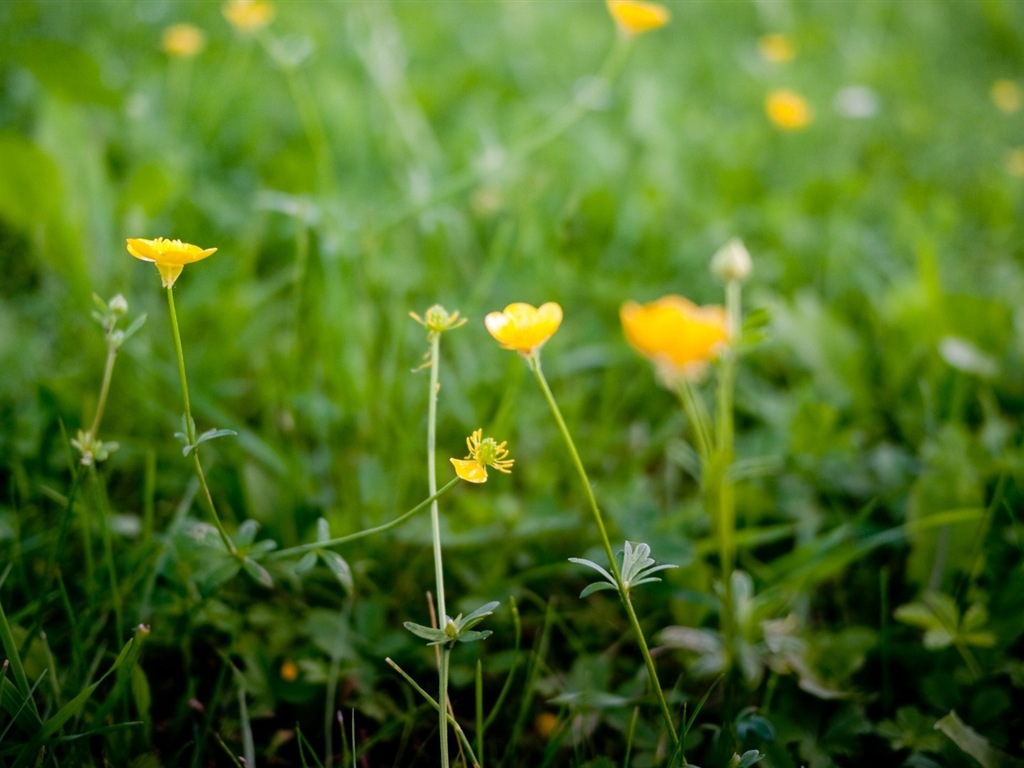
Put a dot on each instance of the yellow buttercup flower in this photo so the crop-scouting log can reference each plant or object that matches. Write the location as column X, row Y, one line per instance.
column 776, row 48
column 787, row 109
column 679, row 337
column 523, row 327
column 170, row 256
column 484, row 452
column 1006, row 95
column 248, row 15
column 183, row 40
column 635, row 16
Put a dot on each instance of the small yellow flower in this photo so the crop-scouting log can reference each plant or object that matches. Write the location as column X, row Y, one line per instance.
column 289, row 671
column 483, row 453
column 248, row 15
column 523, row 327
column 183, row 40
column 787, row 109
column 776, row 48
column 1006, row 95
column 679, row 337
column 170, row 256
column 635, row 16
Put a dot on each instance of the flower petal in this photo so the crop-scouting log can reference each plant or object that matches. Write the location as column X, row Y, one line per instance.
column 469, row 470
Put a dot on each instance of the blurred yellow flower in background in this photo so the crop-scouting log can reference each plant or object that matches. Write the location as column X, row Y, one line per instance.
column 1006, row 95
column 1015, row 162
column 248, row 15
column 776, row 48
column 170, row 256
column 484, row 452
column 787, row 109
column 523, row 327
column 635, row 16
column 184, row 40
column 679, row 337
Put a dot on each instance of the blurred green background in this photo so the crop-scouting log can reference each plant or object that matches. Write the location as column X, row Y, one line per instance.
column 355, row 161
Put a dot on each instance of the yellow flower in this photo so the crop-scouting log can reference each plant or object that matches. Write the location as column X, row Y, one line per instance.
column 679, row 337
column 635, row 16
column 523, row 327
column 1006, row 95
column 776, row 48
column 170, row 256
column 787, row 109
column 1015, row 162
column 184, row 40
column 289, row 671
column 248, row 15
column 483, row 453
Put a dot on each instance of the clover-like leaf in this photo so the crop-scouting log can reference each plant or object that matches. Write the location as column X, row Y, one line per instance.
column 432, row 635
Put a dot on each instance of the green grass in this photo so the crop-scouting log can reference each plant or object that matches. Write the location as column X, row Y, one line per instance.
column 354, row 162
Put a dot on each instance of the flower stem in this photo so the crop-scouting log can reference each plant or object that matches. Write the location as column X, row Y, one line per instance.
column 302, row 548
column 623, row 589
column 723, row 491
column 190, row 427
column 108, row 374
column 435, row 527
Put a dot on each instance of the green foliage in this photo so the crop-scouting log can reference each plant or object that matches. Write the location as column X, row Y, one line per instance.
column 353, row 162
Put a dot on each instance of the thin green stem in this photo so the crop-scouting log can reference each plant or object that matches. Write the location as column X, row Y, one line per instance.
column 666, row 713
column 302, row 548
column 103, row 506
column 720, row 489
column 463, row 739
column 435, row 528
column 108, row 374
column 190, row 427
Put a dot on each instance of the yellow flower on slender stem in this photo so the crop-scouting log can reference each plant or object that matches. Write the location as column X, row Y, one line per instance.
column 484, row 452
column 523, row 327
column 787, row 109
column 183, row 40
column 679, row 337
column 248, row 15
column 634, row 16
column 170, row 256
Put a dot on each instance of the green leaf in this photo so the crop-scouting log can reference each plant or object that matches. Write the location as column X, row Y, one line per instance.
column 30, row 185
column 323, row 530
column 260, row 574
column 65, row 713
column 597, row 586
column 471, row 635
column 67, row 72
column 306, row 563
column 339, row 567
column 435, row 636
column 974, row 744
